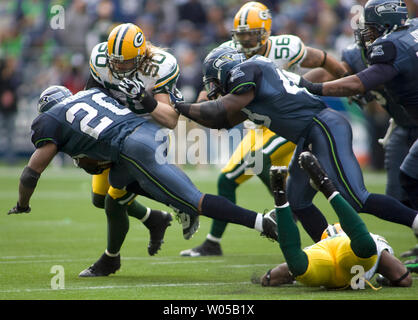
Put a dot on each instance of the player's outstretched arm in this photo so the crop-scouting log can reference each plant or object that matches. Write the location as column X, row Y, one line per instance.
column 316, row 58
column 224, row 112
column 38, row 162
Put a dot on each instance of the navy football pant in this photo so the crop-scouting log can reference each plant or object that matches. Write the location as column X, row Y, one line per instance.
column 330, row 140
column 396, row 150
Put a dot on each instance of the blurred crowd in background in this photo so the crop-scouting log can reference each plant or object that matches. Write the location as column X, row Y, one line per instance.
column 35, row 53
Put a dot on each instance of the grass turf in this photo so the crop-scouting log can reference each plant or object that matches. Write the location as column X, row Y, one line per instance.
column 65, row 229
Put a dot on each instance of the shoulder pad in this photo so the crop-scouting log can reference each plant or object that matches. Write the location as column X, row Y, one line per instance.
column 243, row 77
column 168, row 71
column 381, row 52
column 287, row 51
column 98, row 62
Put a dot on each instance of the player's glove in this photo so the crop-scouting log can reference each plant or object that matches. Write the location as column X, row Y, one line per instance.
column 18, row 209
column 135, row 89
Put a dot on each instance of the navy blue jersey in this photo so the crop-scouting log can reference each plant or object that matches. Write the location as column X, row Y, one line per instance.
column 89, row 122
column 279, row 104
column 356, row 59
column 399, row 48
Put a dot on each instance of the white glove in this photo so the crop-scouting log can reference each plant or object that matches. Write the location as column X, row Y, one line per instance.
column 134, row 88
column 384, row 141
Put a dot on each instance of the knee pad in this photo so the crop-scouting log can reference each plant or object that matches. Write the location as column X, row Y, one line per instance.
column 98, row 200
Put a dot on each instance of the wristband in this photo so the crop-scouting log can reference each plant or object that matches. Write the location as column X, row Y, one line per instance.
column 325, row 59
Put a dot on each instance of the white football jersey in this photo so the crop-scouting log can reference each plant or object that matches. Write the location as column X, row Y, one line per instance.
column 286, row 51
column 159, row 76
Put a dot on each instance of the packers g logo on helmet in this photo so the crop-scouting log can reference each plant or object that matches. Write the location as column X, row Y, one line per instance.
column 126, row 47
column 252, row 27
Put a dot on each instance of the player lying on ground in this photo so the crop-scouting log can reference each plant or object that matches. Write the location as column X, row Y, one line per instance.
column 93, row 124
column 329, row 262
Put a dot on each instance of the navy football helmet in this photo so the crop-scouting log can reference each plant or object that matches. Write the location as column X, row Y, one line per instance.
column 52, row 96
column 381, row 17
column 216, row 67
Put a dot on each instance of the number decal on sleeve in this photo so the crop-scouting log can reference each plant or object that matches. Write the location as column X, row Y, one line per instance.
column 282, row 52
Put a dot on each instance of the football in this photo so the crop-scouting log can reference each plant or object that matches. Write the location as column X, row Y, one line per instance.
column 90, row 165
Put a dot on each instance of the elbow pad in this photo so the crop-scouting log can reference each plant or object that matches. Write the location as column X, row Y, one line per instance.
column 29, row 178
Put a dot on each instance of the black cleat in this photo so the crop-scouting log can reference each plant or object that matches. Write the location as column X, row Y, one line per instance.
column 278, row 177
column 157, row 223
column 311, row 165
column 410, row 253
column 189, row 223
column 270, row 225
column 102, row 267
column 207, row 248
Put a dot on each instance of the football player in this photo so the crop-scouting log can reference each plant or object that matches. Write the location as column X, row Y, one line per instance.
column 298, row 116
column 391, row 42
column 94, row 124
column 329, row 262
column 251, row 36
column 402, row 131
column 127, row 56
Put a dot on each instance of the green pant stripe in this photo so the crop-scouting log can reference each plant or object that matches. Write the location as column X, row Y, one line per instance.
column 336, row 163
column 158, row 184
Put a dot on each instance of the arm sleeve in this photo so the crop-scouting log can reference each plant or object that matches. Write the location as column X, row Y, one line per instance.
column 376, row 75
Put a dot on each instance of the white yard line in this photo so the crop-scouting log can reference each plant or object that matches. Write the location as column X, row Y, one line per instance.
column 140, row 286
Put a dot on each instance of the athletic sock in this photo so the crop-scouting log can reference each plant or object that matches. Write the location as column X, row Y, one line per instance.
column 312, row 220
column 220, row 208
column 117, row 224
column 226, row 189
column 137, row 210
column 389, row 209
column 362, row 243
column 289, row 241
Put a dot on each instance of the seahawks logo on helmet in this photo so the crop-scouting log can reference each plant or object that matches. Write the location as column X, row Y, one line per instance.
column 386, row 8
column 220, row 61
column 138, row 40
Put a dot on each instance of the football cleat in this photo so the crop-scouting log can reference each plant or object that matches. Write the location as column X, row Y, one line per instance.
column 278, row 184
column 410, row 253
column 157, row 223
column 103, row 267
column 189, row 223
column 207, row 248
column 270, row 225
column 311, row 165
